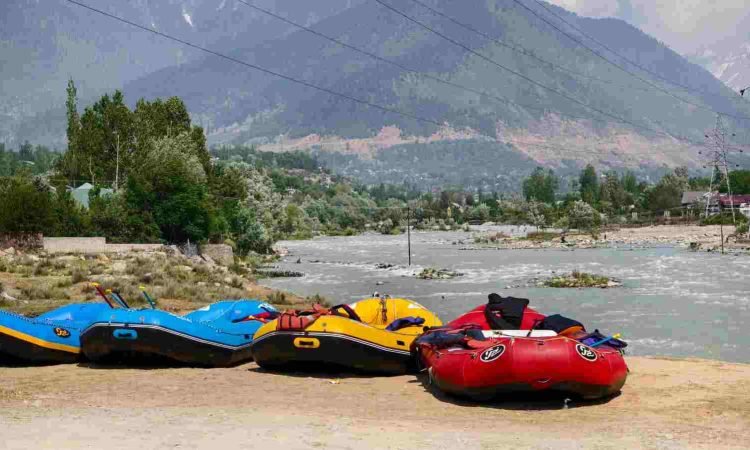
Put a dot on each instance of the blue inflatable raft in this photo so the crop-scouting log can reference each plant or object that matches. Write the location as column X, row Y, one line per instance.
column 53, row 337
column 218, row 335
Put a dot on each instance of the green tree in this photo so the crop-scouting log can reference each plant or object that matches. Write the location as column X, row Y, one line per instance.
column 71, row 219
column 119, row 218
column 667, row 194
column 25, row 205
column 541, row 186
column 170, row 183
column 583, row 216
column 103, row 143
column 26, row 152
column 159, row 118
column 251, row 234
column 630, row 183
column 739, row 181
column 588, row 183
column 71, row 162
column 535, row 215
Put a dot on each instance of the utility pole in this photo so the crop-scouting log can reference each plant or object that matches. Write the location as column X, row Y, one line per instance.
column 117, row 163
column 408, row 228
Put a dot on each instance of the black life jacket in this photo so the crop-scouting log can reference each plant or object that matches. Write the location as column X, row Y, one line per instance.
column 505, row 313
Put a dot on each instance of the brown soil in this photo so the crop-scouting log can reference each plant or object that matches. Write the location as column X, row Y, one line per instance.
column 666, row 403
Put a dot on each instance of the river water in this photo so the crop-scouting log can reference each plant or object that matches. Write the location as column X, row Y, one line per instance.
column 673, row 302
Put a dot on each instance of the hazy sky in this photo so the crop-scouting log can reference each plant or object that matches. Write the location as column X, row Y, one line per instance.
column 685, row 25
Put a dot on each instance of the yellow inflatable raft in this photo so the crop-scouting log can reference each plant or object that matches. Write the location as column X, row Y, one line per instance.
column 372, row 335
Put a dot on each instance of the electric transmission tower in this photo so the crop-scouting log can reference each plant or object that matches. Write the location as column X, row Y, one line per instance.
column 716, row 153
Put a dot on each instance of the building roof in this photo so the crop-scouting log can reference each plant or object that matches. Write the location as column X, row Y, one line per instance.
column 736, row 200
column 81, row 194
column 690, row 197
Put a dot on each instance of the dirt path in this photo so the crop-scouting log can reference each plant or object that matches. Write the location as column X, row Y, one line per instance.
column 665, row 404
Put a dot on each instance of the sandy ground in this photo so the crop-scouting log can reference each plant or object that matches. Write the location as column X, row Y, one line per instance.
column 665, row 404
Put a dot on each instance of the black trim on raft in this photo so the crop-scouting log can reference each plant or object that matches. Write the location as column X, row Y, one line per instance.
column 583, row 390
column 20, row 350
column 98, row 343
column 277, row 350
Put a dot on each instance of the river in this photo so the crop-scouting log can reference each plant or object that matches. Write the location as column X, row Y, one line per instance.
column 673, row 302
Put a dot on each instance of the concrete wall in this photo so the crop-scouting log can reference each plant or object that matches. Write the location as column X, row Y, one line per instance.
column 92, row 245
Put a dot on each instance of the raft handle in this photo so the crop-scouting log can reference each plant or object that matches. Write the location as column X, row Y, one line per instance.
column 306, row 343
column 129, row 335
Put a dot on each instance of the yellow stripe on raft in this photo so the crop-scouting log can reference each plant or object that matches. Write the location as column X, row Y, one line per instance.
column 376, row 314
column 40, row 342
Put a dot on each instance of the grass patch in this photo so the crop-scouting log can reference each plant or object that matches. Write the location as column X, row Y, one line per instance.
column 431, row 273
column 43, row 291
column 578, row 279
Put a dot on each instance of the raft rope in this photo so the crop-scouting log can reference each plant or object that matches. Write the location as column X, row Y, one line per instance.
column 36, row 321
column 383, row 309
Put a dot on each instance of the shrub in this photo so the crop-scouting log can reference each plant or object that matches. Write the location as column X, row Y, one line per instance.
column 320, row 300
column 78, row 275
column 237, row 283
column 42, row 269
column 277, row 298
column 743, row 228
column 64, row 283
column 725, row 218
column 38, row 291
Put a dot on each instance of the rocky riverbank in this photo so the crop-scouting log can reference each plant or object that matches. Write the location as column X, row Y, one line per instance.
column 707, row 238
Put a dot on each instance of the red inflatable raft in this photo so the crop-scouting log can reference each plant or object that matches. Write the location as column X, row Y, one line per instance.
column 469, row 358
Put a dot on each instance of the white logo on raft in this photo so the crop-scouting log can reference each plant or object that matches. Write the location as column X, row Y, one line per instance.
column 585, row 352
column 492, row 353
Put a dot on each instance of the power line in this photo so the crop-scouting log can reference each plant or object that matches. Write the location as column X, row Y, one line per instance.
column 530, row 80
column 634, row 75
column 522, row 50
column 413, row 71
column 326, row 90
column 645, row 69
column 259, row 68
column 530, row 54
column 408, row 69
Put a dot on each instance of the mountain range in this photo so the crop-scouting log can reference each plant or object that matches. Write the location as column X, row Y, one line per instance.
column 553, row 102
column 729, row 59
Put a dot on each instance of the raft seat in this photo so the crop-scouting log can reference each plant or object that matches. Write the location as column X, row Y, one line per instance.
column 519, row 333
